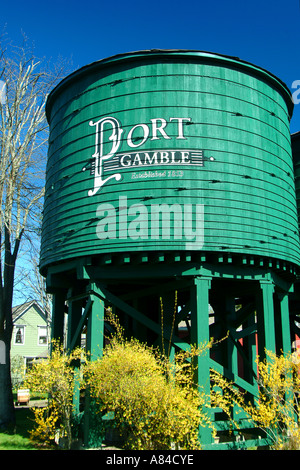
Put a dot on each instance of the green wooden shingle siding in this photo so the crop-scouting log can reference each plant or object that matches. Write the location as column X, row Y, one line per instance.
column 296, row 160
column 232, row 120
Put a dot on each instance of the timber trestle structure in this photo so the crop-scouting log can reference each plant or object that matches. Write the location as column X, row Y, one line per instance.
column 244, row 300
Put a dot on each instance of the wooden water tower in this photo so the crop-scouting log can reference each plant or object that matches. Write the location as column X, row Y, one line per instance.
column 171, row 171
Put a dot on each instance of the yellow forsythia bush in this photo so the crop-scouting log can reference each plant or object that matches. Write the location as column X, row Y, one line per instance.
column 46, row 424
column 155, row 404
column 55, row 377
column 276, row 409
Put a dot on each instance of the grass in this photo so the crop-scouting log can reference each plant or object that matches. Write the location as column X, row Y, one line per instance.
column 19, row 438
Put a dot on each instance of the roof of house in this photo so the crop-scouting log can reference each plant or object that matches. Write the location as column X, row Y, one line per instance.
column 19, row 310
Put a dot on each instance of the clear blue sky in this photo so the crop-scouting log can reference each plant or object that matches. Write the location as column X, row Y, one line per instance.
column 264, row 32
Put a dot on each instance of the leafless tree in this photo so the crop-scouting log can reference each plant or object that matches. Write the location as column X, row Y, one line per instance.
column 25, row 83
column 29, row 283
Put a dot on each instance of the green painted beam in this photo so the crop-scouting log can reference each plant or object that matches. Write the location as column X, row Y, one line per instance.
column 81, row 323
column 238, row 381
column 244, row 332
column 74, row 316
column 58, row 313
column 158, row 288
column 265, row 318
column 242, row 314
column 95, row 328
column 199, row 300
column 103, row 293
column 285, row 323
column 235, row 445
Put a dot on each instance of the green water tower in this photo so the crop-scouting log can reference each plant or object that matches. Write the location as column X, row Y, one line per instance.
column 172, row 171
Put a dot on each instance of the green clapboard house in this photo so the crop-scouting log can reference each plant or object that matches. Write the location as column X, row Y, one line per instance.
column 30, row 339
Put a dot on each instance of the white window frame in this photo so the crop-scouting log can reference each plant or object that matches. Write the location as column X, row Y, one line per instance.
column 40, row 328
column 22, row 328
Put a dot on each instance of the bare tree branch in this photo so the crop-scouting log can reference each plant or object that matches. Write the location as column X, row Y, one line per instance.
column 25, row 84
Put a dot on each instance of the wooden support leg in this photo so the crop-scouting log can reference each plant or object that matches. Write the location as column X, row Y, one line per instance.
column 95, row 329
column 232, row 357
column 74, row 316
column 286, row 346
column 94, row 342
column 285, row 322
column 58, row 314
column 167, row 320
column 231, row 350
column 265, row 319
column 199, row 336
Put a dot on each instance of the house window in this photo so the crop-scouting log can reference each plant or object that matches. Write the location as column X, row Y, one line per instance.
column 42, row 338
column 20, row 335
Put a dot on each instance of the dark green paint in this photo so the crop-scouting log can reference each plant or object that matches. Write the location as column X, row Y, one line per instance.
column 245, row 271
column 239, row 116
